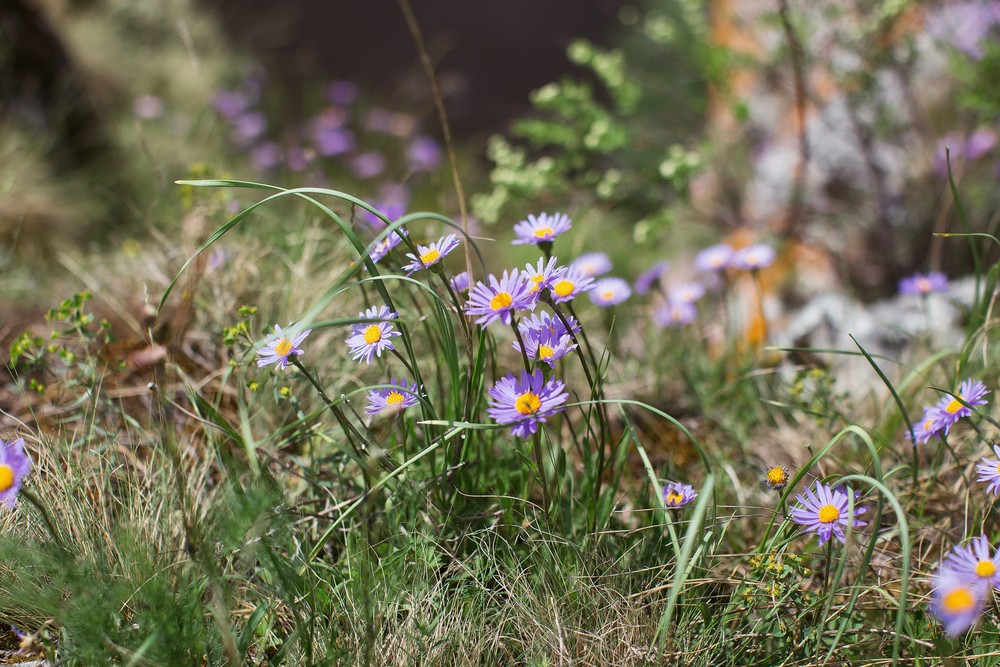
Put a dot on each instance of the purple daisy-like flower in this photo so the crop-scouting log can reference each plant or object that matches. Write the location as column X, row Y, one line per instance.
column 610, row 292
column 525, row 402
column 424, row 154
column 545, row 345
column 368, row 164
column 687, row 292
column 951, row 409
column 592, row 264
column 370, row 338
column 753, row 257
column 674, row 314
column 15, row 464
column 714, row 258
column 383, row 247
column 571, row 284
column 825, row 512
column 956, row 600
column 988, row 470
column 676, row 494
column 541, row 276
column 460, row 282
column 650, row 277
column 930, row 425
column 393, row 399
column 542, row 229
column 280, row 347
column 975, row 561
column 924, row 283
column 500, row 299
column 430, row 255
column 536, row 324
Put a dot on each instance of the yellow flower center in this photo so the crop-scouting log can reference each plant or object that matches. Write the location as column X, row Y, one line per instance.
column 954, row 406
column 777, row 475
column 542, row 232
column 927, row 424
column 608, row 294
column 373, row 334
column 828, row 514
column 535, row 280
column 923, row 285
column 986, row 568
column 6, row 477
column 674, row 498
column 715, row 262
column 394, row 398
column 430, row 256
column 283, row 347
column 564, row 287
column 545, row 351
column 501, row 301
column 958, row 600
column 527, row 403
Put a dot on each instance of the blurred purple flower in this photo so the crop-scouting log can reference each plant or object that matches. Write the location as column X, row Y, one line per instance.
column 248, row 126
column 714, row 258
column 610, row 291
column 424, row 154
column 650, row 277
column 980, row 142
column 334, row 142
column 147, row 107
column 266, row 156
column 924, row 283
column 368, row 164
column 964, row 25
column 753, row 257
column 592, row 264
column 342, row 92
column 687, row 292
column 674, row 314
column 230, row 103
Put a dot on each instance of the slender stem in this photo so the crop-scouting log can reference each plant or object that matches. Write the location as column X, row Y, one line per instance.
column 540, row 461
column 520, row 341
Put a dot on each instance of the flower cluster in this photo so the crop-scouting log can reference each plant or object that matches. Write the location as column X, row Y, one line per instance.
column 938, row 419
column 961, row 584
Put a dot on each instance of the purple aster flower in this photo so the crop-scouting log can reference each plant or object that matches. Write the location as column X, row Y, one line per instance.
column 526, row 402
column 542, row 229
column 393, row 199
column 370, row 338
column 592, row 264
column 280, row 347
column 536, row 323
column 298, row 158
column 650, row 277
column 230, row 103
column 825, row 512
column 571, row 284
column 500, row 299
column 334, row 141
column 753, row 257
column 393, row 399
column 545, row 345
column 975, row 562
column 951, row 409
column 147, row 107
column 266, row 156
column 382, row 248
column 430, row 255
column 14, row 465
column 980, row 142
column 714, row 258
column 368, row 164
column 931, row 424
column 988, row 470
column 460, row 282
column 424, row 154
column 676, row 494
column 956, row 600
column 610, row 292
column 541, row 276
column 687, row 292
column 248, row 126
column 924, row 283
column 674, row 314
column 342, row 92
